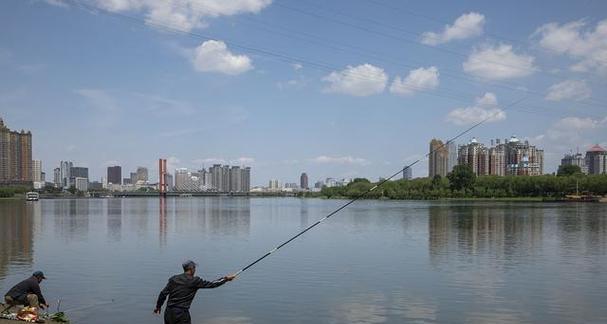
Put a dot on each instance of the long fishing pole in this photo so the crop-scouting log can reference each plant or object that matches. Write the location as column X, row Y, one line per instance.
column 361, row 195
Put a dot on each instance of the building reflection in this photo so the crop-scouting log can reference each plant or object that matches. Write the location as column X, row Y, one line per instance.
column 221, row 215
column 162, row 219
column 501, row 232
column 72, row 218
column 114, row 218
column 582, row 229
column 17, row 233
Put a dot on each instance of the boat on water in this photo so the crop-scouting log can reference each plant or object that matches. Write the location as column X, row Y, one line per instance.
column 585, row 198
column 32, row 196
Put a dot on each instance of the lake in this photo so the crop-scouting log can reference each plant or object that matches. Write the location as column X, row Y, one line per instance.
column 374, row 262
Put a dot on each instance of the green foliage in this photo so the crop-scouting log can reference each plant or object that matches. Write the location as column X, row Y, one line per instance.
column 567, row 170
column 547, row 186
column 6, row 192
column 72, row 190
column 462, row 178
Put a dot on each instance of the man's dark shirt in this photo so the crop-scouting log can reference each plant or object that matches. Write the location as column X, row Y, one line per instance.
column 182, row 288
column 25, row 287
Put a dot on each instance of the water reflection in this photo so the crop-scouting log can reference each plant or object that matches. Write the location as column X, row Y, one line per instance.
column 16, row 234
column 114, row 218
column 505, row 234
column 71, row 218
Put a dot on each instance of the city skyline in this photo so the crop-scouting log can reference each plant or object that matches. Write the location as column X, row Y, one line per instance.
column 198, row 101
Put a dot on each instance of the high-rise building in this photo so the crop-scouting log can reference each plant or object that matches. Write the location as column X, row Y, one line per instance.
column 114, row 175
column 303, row 181
column 37, row 171
column 475, row 155
column 245, row 183
column 438, row 159
column 575, row 159
column 142, row 174
column 65, row 169
column 274, row 185
column 81, row 184
column 235, row 179
column 452, row 160
column 225, row 175
column 523, row 159
column 15, row 156
column 132, row 178
column 77, row 172
column 512, row 157
column 407, row 173
column 169, row 181
column 596, row 159
column 57, row 177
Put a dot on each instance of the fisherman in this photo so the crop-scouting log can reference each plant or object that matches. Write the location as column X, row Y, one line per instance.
column 27, row 292
column 181, row 290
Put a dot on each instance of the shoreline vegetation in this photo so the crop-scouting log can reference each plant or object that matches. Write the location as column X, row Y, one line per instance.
column 459, row 185
column 463, row 184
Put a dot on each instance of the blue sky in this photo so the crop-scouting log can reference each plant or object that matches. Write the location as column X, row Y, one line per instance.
column 332, row 88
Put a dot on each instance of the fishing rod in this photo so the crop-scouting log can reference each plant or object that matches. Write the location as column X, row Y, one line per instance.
column 382, row 182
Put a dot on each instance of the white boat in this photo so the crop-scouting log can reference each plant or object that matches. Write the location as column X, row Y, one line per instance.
column 32, row 196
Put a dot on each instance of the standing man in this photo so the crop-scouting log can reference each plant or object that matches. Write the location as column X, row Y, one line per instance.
column 181, row 290
column 27, row 292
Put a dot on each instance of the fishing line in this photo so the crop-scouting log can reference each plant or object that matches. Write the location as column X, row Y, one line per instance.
column 359, row 196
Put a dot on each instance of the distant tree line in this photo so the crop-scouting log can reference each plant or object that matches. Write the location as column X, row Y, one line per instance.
column 463, row 183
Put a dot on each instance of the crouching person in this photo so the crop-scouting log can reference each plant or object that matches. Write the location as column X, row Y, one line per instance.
column 27, row 292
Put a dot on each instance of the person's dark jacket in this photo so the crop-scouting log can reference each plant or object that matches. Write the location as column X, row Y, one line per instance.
column 28, row 286
column 182, row 288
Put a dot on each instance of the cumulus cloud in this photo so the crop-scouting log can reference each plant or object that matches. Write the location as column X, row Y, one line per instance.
column 361, row 80
column 485, row 108
column 323, row 159
column 587, row 46
column 569, row 89
column 498, row 63
column 180, row 14
column 417, row 80
column 465, row 26
column 214, row 56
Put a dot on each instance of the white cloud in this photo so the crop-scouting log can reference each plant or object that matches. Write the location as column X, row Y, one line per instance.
column 589, row 47
column 180, row 14
column 569, row 89
column 420, row 79
column 243, row 160
column 297, row 66
column 465, row 26
column 323, row 159
column 486, row 108
column 498, row 63
column 361, row 80
column 215, row 160
column 214, row 56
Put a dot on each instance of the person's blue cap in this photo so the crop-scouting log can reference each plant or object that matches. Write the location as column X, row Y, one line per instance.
column 39, row 274
column 189, row 264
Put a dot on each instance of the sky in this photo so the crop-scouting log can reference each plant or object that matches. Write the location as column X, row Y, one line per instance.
column 331, row 88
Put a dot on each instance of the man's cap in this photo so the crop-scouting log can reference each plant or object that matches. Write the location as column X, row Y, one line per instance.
column 189, row 264
column 39, row 274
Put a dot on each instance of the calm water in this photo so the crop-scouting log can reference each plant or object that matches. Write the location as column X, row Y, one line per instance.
column 376, row 262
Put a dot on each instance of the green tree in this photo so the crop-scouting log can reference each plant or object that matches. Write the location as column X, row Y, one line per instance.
column 461, row 178
column 72, row 190
column 568, row 170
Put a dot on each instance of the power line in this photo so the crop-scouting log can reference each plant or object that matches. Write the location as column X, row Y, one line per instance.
column 465, row 98
column 417, row 43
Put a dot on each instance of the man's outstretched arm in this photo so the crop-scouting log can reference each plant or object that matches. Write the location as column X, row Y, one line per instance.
column 162, row 296
column 202, row 284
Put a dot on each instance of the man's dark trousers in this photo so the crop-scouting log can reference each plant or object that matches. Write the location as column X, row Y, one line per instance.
column 176, row 315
